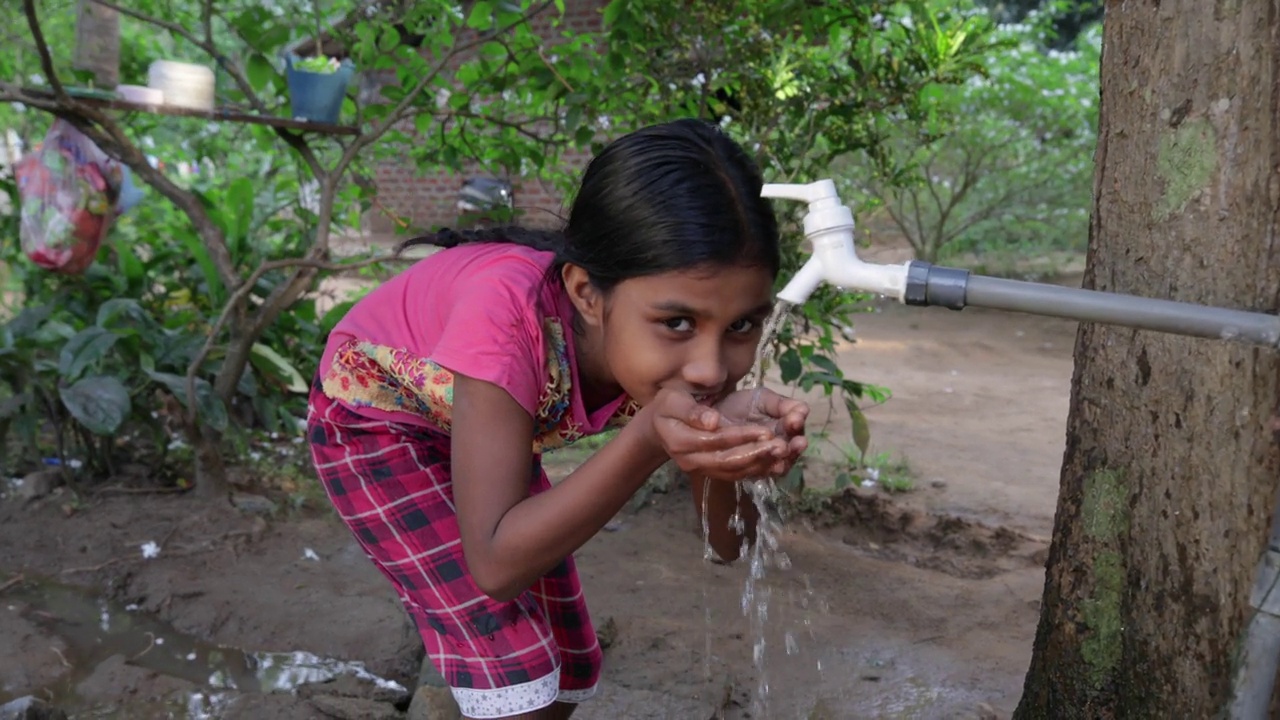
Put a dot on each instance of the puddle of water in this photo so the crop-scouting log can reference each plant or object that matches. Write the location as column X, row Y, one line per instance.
column 888, row 683
column 95, row 630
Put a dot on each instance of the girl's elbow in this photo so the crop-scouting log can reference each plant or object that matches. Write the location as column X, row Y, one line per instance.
column 494, row 580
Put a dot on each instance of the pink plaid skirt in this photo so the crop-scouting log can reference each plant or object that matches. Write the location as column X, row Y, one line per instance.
column 390, row 484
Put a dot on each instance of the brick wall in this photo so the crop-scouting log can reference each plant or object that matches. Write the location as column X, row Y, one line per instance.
column 427, row 199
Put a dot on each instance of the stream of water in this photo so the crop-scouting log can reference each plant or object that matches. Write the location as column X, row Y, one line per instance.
column 765, row 553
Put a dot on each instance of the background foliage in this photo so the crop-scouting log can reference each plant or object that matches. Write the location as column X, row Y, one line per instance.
column 198, row 322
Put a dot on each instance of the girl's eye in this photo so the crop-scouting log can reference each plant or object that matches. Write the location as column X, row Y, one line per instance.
column 742, row 326
column 680, row 325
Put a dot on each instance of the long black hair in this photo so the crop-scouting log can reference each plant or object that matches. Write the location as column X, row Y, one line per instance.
column 668, row 197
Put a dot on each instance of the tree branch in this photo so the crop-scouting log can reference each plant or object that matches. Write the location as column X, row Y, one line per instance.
column 400, row 111
column 287, row 292
column 206, row 45
column 519, row 126
column 42, row 49
column 239, row 296
column 206, row 22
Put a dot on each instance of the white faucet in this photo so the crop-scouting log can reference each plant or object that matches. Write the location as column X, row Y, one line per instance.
column 829, row 228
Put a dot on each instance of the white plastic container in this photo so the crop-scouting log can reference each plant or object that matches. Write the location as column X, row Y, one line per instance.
column 182, row 84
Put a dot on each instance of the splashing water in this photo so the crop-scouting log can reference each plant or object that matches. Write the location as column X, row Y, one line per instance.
column 766, row 350
column 764, row 553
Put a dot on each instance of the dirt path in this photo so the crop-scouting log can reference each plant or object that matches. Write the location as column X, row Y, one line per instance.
column 920, row 605
column 979, row 404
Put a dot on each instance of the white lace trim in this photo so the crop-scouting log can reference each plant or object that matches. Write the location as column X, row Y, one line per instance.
column 577, row 696
column 517, row 699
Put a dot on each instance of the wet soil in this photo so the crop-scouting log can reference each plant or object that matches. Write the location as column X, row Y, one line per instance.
column 920, row 604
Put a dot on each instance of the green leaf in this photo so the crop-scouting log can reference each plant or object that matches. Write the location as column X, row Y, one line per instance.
column 789, row 364
column 793, row 482
column 613, row 11
column 197, row 250
column 481, row 15
column 130, row 266
column 209, row 407
column 99, row 403
column 29, row 320
column 114, row 308
column 53, row 331
column 248, row 384
column 250, row 24
column 860, row 430
column 334, row 315
column 239, row 206
column 271, row 364
column 828, row 365
column 259, row 71
column 84, row 349
column 13, row 405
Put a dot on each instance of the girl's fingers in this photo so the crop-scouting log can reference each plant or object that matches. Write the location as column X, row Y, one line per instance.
column 682, row 439
column 681, row 407
column 736, row 463
column 794, row 421
column 776, row 406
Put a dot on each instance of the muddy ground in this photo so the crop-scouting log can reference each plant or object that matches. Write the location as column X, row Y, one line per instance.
column 919, row 604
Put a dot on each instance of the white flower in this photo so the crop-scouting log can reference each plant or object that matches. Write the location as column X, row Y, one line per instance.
column 150, row 549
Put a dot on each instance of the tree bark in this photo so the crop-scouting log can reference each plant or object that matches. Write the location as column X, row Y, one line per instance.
column 1171, row 466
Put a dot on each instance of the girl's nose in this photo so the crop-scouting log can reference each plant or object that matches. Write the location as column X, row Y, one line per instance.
column 706, row 368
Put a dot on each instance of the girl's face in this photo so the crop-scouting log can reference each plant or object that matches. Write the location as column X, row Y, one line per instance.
column 694, row 330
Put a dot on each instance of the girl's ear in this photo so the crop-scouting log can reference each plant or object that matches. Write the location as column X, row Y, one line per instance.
column 584, row 296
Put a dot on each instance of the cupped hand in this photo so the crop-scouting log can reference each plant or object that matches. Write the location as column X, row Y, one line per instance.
column 704, row 443
column 750, row 433
column 762, row 406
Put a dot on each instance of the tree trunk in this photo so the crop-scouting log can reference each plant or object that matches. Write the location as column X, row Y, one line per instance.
column 1171, row 467
column 211, row 471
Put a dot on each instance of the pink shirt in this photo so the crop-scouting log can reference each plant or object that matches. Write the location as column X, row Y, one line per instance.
column 480, row 310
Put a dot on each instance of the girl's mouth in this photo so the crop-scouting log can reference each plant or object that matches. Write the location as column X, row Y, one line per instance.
column 705, row 398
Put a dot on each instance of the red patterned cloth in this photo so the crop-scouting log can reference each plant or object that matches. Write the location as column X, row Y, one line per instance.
column 391, row 485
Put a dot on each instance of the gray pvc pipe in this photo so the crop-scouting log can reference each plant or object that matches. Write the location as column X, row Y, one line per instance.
column 1116, row 309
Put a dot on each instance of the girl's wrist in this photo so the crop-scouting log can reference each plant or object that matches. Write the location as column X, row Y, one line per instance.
column 642, row 439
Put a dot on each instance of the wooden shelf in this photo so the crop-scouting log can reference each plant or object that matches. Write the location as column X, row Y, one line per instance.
column 217, row 114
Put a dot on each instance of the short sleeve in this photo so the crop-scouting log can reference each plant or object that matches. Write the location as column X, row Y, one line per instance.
column 493, row 333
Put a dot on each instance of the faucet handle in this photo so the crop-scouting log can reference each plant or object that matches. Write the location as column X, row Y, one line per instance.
column 826, row 211
column 819, row 195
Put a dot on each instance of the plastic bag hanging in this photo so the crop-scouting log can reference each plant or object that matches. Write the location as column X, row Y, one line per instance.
column 70, row 192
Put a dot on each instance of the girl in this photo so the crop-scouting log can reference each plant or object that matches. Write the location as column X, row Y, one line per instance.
column 438, row 392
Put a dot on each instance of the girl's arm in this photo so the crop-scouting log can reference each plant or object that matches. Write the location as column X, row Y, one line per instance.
column 510, row 538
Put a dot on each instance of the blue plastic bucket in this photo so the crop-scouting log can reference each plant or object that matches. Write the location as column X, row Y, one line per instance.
column 317, row 97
